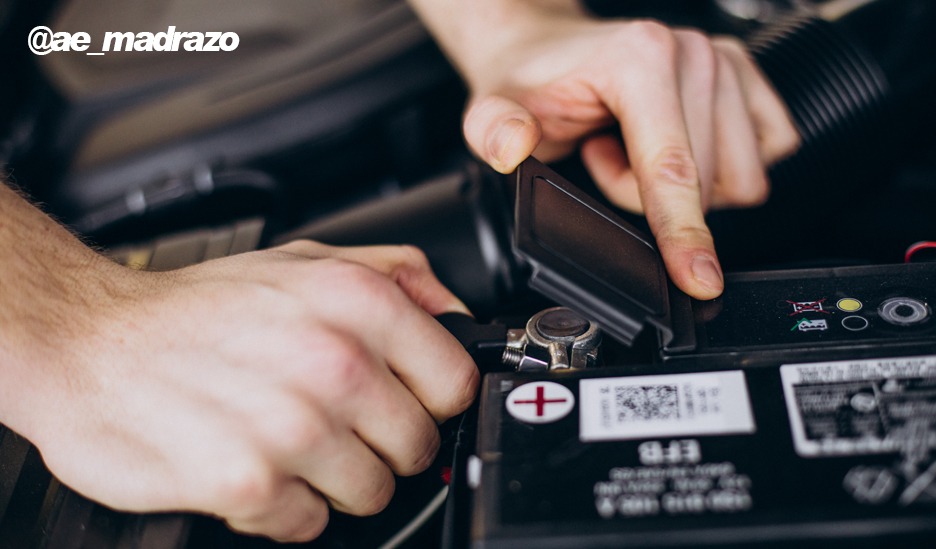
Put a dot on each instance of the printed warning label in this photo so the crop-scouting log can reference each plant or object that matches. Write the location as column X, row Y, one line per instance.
column 862, row 407
column 624, row 408
column 869, row 407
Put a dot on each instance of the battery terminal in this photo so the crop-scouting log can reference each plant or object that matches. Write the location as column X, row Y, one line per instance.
column 554, row 339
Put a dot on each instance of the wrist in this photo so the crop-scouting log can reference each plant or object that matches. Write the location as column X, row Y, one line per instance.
column 54, row 294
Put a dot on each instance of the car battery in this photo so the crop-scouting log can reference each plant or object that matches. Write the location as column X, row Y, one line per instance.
column 820, row 452
column 799, row 407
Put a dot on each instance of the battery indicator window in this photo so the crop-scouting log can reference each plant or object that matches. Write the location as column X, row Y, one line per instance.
column 849, row 305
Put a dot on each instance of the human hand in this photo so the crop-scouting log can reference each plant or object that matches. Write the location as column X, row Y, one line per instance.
column 698, row 123
column 261, row 388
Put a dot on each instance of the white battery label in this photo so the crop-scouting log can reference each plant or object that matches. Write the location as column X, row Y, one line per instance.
column 855, row 407
column 626, row 408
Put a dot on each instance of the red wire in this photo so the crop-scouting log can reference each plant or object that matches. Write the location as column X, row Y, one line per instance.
column 914, row 248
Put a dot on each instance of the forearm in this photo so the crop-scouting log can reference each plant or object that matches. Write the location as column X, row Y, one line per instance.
column 47, row 279
column 475, row 33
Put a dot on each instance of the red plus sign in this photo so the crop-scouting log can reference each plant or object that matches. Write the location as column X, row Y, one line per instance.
column 541, row 401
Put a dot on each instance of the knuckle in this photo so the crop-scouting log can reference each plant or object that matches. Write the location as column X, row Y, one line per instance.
column 698, row 43
column 695, row 39
column 296, row 432
column 748, row 195
column 467, row 384
column 654, row 37
column 685, row 235
column 423, row 454
column 363, row 281
column 730, row 44
column 758, row 197
column 429, row 452
column 379, row 497
column 674, row 166
column 464, row 387
column 414, row 256
column 301, row 246
column 780, row 138
column 789, row 142
column 245, row 489
column 347, row 369
column 357, row 287
column 413, row 265
column 312, row 527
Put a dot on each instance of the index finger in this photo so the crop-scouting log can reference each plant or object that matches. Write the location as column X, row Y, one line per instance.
column 647, row 102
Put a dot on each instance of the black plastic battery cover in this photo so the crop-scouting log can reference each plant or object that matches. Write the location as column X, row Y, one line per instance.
column 587, row 258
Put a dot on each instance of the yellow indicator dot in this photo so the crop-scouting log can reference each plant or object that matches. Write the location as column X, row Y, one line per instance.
column 849, row 304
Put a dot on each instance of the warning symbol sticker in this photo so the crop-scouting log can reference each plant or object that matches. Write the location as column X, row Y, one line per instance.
column 540, row 402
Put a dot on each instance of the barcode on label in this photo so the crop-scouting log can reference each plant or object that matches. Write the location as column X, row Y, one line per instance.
column 623, row 408
column 646, row 402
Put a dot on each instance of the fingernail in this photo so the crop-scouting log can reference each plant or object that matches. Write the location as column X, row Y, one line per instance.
column 500, row 143
column 459, row 307
column 707, row 272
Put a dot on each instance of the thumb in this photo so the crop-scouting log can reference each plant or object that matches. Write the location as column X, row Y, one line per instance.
column 501, row 131
column 407, row 266
column 413, row 274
